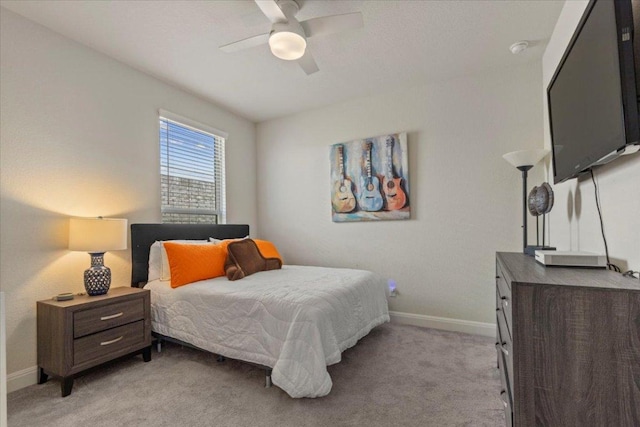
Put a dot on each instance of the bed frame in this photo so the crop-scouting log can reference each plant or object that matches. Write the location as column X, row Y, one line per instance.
column 144, row 235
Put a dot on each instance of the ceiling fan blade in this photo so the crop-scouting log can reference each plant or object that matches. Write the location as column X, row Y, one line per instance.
column 307, row 63
column 332, row 24
column 271, row 10
column 246, row 43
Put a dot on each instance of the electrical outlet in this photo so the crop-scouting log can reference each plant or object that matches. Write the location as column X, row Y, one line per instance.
column 393, row 290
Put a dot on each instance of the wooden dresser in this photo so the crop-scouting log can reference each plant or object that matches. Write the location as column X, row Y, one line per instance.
column 87, row 331
column 568, row 344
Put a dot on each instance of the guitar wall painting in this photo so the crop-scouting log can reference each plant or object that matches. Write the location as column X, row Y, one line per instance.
column 370, row 179
column 343, row 200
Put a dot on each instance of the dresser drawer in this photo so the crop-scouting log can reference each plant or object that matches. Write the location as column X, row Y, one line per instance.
column 97, row 319
column 505, row 392
column 505, row 346
column 123, row 338
column 505, row 297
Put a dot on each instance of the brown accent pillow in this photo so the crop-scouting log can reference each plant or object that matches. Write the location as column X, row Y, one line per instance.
column 244, row 258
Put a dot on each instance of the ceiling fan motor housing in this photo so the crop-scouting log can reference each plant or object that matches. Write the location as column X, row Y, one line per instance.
column 287, row 40
column 289, row 8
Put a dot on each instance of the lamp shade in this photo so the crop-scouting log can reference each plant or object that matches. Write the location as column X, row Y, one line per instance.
column 97, row 234
column 525, row 157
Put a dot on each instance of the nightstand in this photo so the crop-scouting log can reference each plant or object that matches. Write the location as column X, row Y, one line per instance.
column 87, row 331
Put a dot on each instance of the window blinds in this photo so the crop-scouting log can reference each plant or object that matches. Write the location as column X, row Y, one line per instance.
column 191, row 173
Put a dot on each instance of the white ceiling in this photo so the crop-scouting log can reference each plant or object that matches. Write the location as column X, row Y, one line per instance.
column 403, row 43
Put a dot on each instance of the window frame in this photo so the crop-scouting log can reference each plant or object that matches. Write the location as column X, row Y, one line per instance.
column 221, row 212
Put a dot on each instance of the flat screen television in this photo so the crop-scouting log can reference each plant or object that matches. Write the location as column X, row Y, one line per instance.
column 593, row 95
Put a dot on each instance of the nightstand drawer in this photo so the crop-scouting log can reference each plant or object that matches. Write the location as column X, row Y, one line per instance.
column 95, row 346
column 97, row 319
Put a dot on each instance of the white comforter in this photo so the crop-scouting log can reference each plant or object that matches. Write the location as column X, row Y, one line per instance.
column 297, row 320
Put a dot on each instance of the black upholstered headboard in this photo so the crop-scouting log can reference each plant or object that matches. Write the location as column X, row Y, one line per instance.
column 143, row 236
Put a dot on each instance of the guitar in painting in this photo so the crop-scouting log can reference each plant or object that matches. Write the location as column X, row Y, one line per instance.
column 343, row 200
column 370, row 197
column 392, row 188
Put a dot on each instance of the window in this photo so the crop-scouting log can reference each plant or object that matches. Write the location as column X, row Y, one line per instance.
column 191, row 171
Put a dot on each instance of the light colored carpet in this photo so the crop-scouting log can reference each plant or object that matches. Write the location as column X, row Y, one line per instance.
column 398, row 375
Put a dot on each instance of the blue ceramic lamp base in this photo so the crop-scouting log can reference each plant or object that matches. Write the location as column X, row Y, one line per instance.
column 97, row 279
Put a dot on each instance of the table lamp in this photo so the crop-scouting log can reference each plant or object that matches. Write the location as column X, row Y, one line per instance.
column 524, row 160
column 96, row 236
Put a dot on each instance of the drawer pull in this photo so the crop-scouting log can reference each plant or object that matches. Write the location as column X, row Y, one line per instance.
column 503, row 348
column 504, row 402
column 112, row 341
column 113, row 316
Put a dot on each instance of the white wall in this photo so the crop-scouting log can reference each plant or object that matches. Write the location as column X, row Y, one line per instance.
column 79, row 137
column 466, row 200
column 574, row 223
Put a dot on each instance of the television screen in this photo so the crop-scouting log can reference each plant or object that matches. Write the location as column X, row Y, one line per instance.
column 585, row 96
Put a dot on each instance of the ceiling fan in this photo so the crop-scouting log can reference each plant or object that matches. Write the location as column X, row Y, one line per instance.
column 288, row 36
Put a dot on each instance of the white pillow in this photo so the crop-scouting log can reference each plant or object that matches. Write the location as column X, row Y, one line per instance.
column 216, row 241
column 158, row 262
column 155, row 261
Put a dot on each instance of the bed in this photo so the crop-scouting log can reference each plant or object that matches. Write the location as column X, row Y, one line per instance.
column 294, row 322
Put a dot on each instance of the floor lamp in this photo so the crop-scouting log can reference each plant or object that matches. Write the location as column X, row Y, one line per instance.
column 524, row 160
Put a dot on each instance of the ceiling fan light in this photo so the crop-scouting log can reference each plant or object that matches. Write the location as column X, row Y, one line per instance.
column 287, row 45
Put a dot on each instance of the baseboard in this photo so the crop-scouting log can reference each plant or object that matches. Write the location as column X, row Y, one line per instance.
column 444, row 323
column 22, row 379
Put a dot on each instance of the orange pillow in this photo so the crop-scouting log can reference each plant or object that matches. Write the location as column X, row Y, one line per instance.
column 191, row 263
column 268, row 249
